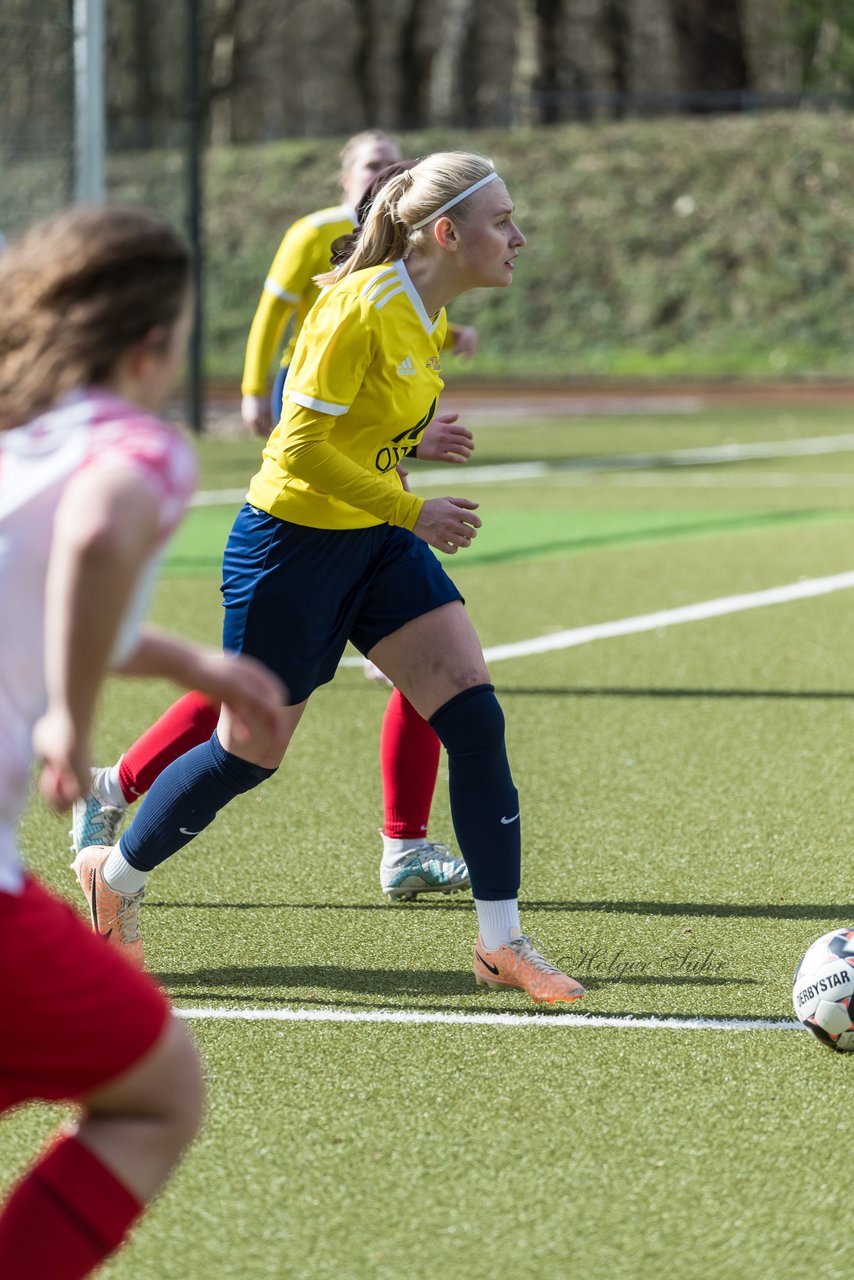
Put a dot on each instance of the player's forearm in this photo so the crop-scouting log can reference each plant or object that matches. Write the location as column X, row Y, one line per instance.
column 90, row 584
column 104, row 533
column 168, row 657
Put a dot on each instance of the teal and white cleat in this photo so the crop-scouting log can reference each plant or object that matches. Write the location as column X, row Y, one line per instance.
column 93, row 821
column 422, row 867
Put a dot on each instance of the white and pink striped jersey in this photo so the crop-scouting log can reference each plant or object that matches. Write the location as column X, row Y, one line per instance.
column 88, row 429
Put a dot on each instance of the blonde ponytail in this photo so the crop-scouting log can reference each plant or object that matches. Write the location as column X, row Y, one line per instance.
column 415, row 196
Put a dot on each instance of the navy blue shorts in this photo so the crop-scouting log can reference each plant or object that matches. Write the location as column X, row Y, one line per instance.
column 295, row 595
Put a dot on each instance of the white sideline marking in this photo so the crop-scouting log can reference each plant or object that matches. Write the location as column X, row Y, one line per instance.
column 217, row 497
column 707, row 456
column 502, row 471
column 806, row 589
column 408, row 1016
column 741, row 479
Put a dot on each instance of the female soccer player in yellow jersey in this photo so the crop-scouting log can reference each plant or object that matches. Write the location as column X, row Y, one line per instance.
column 411, row 863
column 330, row 547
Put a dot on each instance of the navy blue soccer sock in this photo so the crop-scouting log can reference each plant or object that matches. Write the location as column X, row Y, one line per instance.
column 185, row 799
column 484, row 801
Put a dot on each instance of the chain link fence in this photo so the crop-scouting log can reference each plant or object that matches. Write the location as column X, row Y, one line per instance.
column 149, row 117
column 36, row 111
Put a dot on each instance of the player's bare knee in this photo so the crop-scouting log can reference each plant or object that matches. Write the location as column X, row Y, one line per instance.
column 164, row 1088
column 182, row 1087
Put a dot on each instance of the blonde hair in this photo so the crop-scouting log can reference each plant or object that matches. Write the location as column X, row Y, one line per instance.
column 389, row 232
column 78, row 290
column 359, row 140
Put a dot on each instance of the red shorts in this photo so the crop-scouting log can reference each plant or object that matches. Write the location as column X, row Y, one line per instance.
column 74, row 1014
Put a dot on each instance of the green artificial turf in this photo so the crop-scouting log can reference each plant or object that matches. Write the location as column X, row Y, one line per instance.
column 685, row 809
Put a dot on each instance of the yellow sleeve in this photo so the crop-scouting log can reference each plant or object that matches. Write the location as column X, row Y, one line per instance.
column 450, row 337
column 289, row 277
column 265, row 338
column 305, row 451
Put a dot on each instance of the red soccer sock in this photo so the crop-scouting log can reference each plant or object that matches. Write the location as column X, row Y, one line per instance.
column 409, row 759
column 189, row 722
column 64, row 1217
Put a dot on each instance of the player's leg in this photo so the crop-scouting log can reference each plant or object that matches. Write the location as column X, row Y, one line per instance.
column 409, row 762
column 186, row 797
column 97, row 817
column 454, row 692
column 85, row 1026
column 183, row 801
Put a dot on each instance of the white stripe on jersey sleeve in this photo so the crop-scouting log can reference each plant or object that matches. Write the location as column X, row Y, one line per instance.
column 378, row 306
column 270, row 286
column 321, row 406
column 379, row 282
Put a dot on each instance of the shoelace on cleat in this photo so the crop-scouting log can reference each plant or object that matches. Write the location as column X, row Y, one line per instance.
column 127, row 920
column 525, row 949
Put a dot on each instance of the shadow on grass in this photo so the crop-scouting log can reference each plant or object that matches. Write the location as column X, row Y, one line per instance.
column 624, row 691
column 243, row 983
column 714, row 910
column 616, row 691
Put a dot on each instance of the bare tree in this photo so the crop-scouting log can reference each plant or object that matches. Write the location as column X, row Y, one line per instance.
column 447, row 93
column 549, row 18
column 617, row 30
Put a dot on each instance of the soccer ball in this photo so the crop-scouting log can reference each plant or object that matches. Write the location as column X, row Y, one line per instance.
column 823, row 993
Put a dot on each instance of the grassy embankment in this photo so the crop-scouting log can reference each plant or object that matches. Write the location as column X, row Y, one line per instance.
column 720, row 247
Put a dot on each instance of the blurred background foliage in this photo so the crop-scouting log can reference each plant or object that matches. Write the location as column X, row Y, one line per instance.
column 681, row 167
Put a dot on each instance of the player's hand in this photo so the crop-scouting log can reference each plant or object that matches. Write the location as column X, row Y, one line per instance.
column 444, row 440
column 404, row 477
column 256, row 414
column 65, row 759
column 448, row 523
column 465, row 341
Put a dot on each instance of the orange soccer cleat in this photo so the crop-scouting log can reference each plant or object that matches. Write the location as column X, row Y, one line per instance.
column 518, row 964
column 115, row 915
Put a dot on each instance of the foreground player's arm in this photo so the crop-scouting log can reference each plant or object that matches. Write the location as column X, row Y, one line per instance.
column 251, row 692
column 106, row 528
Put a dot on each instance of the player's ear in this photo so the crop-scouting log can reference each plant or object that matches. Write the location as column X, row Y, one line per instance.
column 446, row 234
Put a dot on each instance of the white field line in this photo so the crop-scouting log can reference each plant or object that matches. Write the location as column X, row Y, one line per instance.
column 741, row 479
column 571, row 1021
column 806, row 589
column 444, row 477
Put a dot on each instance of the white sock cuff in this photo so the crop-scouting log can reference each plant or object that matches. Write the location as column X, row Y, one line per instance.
column 106, row 783
column 496, row 920
column 120, row 875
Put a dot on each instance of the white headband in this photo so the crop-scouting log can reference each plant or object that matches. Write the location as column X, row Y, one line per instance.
column 475, row 186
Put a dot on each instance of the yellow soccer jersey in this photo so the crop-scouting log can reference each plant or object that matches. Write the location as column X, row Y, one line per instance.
column 289, row 290
column 363, row 384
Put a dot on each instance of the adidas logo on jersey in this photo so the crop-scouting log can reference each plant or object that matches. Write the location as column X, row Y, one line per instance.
column 406, row 368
